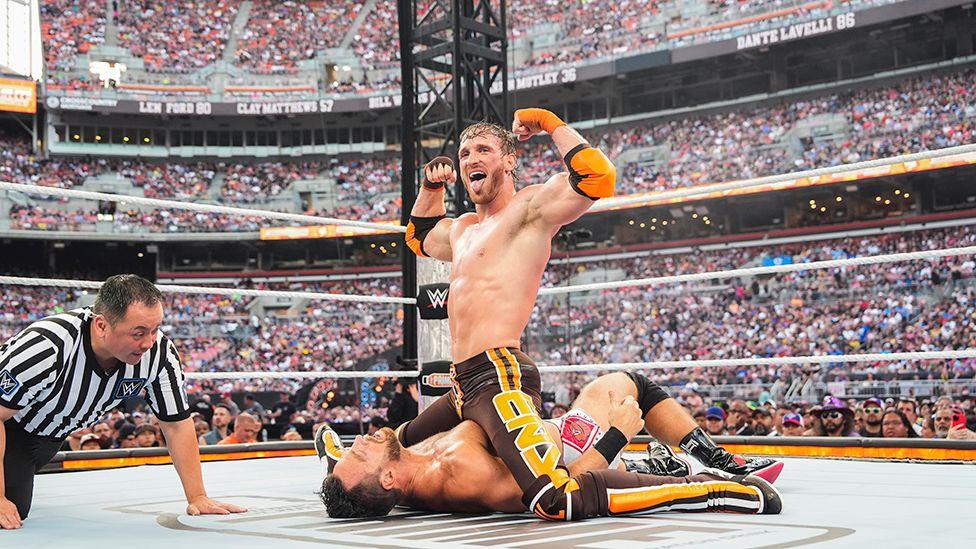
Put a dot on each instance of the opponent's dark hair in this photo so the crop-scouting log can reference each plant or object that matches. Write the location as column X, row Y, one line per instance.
column 120, row 291
column 366, row 499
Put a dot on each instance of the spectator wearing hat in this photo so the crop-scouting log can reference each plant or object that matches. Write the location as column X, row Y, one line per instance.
column 792, row 425
column 715, row 421
column 739, row 419
column 894, row 424
column 871, row 425
column 811, row 420
column 145, row 435
column 90, row 442
column 227, row 400
column 837, row 418
column 762, row 421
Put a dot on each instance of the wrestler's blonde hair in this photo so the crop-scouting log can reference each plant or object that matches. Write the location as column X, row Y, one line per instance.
column 505, row 137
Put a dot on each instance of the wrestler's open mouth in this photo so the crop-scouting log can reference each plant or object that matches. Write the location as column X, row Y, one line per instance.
column 477, row 176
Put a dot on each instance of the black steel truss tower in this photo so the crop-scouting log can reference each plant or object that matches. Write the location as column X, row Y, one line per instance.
column 454, row 57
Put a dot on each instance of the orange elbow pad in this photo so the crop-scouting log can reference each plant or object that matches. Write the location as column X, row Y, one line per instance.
column 590, row 172
column 417, row 230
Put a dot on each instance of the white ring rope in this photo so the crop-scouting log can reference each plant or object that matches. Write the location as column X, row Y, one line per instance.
column 209, row 290
column 610, row 203
column 301, row 375
column 692, row 277
column 771, row 269
column 193, row 206
column 771, row 361
column 659, row 365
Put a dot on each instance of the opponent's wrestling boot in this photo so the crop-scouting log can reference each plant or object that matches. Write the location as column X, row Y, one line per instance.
column 771, row 503
column 700, row 446
column 660, row 461
column 329, row 448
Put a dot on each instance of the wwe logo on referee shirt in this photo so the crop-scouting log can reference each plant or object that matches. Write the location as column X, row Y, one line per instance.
column 129, row 387
column 8, row 383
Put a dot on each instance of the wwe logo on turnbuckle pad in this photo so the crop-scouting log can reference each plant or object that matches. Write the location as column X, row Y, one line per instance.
column 432, row 301
column 438, row 298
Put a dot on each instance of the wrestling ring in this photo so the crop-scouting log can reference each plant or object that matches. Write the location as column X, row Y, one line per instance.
column 846, row 493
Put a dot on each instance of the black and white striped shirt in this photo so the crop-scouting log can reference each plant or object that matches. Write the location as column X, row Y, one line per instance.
column 49, row 374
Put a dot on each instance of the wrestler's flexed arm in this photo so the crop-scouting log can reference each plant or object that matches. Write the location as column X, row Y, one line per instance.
column 567, row 195
column 429, row 231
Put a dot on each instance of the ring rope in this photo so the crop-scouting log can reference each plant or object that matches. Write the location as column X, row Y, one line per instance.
column 610, row 203
column 94, row 285
column 660, row 280
column 301, row 375
column 193, row 206
column 768, row 361
column 658, row 365
column 771, row 269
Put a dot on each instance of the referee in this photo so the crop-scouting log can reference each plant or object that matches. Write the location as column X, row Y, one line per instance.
column 62, row 372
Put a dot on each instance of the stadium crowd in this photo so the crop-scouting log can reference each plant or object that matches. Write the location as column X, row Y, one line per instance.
column 278, row 35
column 176, row 36
column 69, row 28
column 920, row 113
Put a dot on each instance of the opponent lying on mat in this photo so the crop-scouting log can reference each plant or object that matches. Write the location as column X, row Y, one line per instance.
column 458, row 471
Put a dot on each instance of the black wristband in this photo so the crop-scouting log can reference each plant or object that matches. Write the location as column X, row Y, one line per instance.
column 611, row 444
column 432, row 186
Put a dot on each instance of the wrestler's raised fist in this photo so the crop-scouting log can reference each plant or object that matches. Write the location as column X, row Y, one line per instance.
column 529, row 122
column 625, row 415
column 438, row 172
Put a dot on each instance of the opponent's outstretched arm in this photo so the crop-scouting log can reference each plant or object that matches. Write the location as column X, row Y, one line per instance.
column 590, row 175
column 429, row 231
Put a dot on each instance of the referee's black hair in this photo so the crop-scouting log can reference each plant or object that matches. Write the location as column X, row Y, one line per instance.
column 120, row 291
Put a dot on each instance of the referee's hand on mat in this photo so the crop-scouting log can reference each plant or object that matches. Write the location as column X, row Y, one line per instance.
column 206, row 506
column 9, row 517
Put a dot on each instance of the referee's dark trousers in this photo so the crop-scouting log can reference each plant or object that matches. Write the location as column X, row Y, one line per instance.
column 24, row 456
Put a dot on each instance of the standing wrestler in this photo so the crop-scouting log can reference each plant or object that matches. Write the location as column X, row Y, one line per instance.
column 498, row 255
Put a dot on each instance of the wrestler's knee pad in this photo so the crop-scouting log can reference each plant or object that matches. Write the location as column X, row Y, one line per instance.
column 648, row 392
